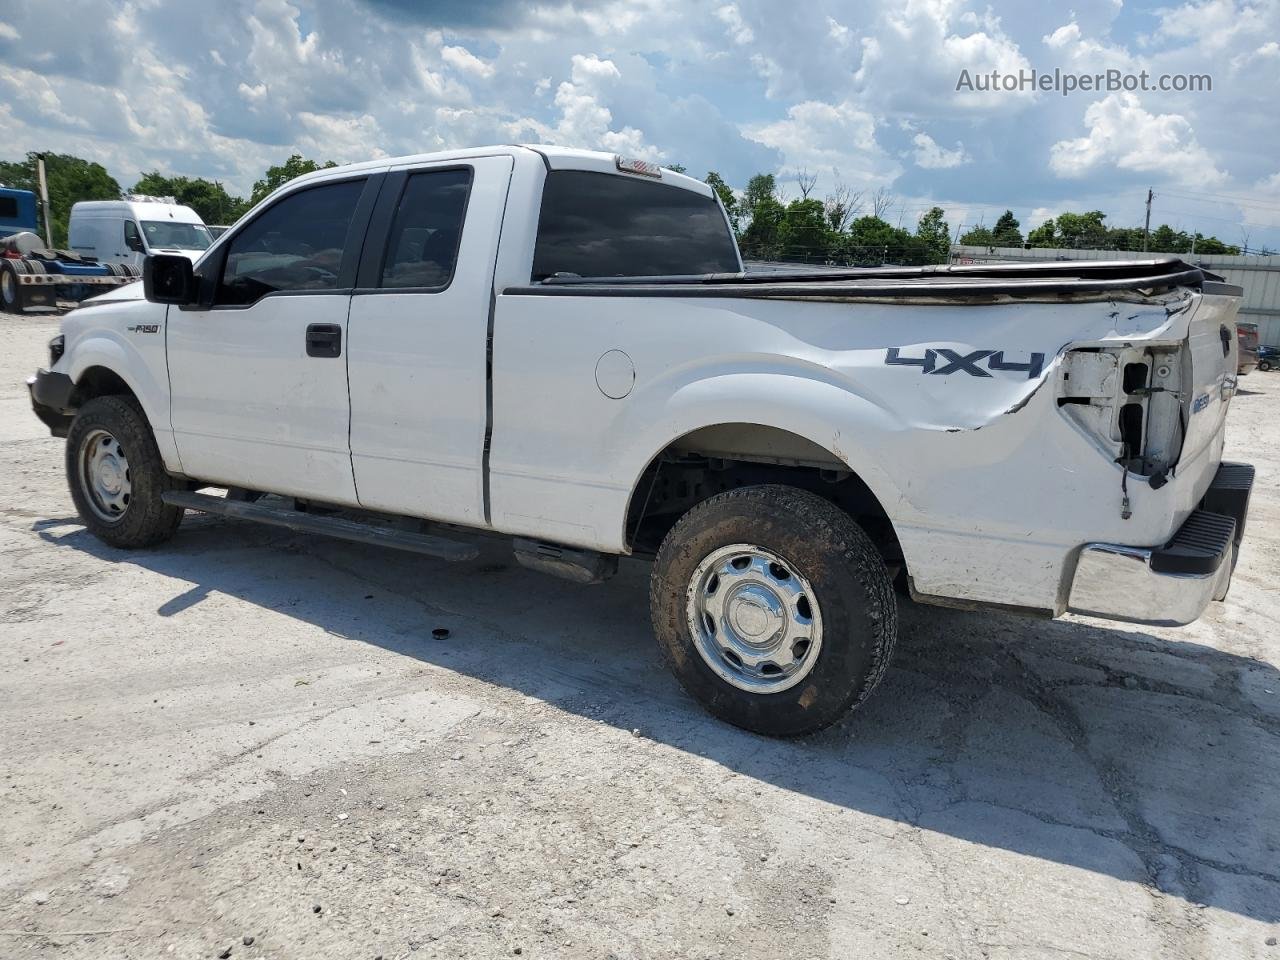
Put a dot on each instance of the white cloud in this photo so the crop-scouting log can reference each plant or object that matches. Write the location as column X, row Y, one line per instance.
column 1064, row 36
column 8, row 33
column 930, row 156
column 585, row 120
column 1125, row 135
column 824, row 138
column 735, row 27
column 464, row 61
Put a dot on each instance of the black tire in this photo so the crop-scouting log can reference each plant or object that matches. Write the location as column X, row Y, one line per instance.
column 1264, row 365
column 9, row 293
column 859, row 616
column 144, row 520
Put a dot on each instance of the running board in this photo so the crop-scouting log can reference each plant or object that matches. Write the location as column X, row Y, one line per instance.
column 338, row 527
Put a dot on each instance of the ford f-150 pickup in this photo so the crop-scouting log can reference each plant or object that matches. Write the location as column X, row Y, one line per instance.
column 563, row 347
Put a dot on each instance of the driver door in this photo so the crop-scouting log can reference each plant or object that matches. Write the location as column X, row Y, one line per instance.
column 258, row 377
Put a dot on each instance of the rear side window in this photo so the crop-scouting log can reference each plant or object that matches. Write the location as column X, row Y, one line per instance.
column 295, row 244
column 602, row 225
column 8, row 208
column 422, row 248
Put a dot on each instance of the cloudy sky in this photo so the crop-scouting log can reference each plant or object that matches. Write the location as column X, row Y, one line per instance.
column 864, row 92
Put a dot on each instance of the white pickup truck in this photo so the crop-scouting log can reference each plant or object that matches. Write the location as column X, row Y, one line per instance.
column 562, row 346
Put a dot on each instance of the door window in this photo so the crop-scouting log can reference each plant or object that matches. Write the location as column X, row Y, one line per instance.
column 132, row 240
column 422, row 248
column 295, row 244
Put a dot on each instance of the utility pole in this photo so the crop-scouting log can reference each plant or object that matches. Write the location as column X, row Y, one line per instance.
column 1146, row 227
column 44, row 201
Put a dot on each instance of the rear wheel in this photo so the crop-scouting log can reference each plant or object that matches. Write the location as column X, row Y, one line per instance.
column 8, row 287
column 116, row 475
column 1264, row 365
column 773, row 609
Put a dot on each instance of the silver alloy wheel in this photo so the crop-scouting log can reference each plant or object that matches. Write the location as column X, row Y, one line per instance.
column 754, row 618
column 104, row 475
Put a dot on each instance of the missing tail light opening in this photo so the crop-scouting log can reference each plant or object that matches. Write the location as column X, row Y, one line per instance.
column 1128, row 400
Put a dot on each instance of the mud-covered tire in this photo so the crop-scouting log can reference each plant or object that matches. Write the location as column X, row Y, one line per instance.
column 145, row 520
column 851, row 587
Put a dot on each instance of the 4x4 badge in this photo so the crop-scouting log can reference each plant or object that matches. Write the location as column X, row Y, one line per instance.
column 954, row 362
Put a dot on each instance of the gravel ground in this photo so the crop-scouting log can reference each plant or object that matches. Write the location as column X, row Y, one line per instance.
column 253, row 734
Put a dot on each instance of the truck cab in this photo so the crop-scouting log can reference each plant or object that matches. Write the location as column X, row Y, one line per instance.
column 17, row 211
column 128, row 231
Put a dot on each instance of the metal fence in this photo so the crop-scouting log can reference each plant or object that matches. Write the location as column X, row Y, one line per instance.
column 1259, row 276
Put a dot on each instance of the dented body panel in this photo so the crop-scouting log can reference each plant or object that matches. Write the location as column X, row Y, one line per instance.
column 949, row 412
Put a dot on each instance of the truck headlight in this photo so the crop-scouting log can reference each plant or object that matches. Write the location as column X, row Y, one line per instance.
column 56, row 348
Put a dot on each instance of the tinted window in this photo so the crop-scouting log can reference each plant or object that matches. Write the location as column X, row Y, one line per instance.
column 295, row 244
column 422, row 249
column 601, row 225
column 9, row 208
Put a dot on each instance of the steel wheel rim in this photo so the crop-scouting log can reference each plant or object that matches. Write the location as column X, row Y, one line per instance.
column 104, row 476
column 754, row 618
column 8, row 286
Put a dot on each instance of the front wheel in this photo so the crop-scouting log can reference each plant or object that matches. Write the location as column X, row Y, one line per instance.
column 774, row 609
column 116, row 475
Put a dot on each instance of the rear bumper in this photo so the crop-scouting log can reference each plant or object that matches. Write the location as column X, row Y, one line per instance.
column 1169, row 585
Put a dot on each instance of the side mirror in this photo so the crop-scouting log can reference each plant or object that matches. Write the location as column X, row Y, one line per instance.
column 167, row 278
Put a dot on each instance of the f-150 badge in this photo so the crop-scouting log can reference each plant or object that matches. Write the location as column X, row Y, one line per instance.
column 944, row 362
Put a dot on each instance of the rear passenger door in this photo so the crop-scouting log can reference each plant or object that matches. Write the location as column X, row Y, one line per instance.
column 419, row 333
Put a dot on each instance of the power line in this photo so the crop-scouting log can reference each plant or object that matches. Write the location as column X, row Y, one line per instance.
column 1241, row 201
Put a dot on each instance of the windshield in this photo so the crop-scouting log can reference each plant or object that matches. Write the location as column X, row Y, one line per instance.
column 179, row 236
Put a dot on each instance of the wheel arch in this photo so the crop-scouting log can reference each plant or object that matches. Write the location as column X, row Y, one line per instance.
column 102, row 366
column 748, row 452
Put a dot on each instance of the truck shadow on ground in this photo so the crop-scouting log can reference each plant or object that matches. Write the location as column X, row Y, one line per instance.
column 1111, row 750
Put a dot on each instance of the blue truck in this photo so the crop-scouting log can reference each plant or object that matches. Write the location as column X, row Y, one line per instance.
column 34, row 279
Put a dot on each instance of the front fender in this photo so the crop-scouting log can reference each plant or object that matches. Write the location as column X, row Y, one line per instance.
column 129, row 341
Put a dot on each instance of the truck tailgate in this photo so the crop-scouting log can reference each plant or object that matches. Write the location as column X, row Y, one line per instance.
column 1212, row 377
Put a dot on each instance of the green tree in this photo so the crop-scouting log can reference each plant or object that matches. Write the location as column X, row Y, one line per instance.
column 934, row 233
column 677, row 167
column 1045, row 235
column 278, row 176
column 727, row 197
column 871, row 242
column 978, row 237
column 206, row 197
column 70, row 179
column 1085, row 231
column 764, row 214
column 1007, row 231
column 803, row 234
column 1214, row 245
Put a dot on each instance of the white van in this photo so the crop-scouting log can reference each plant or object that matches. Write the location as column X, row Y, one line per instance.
column 125, row 231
